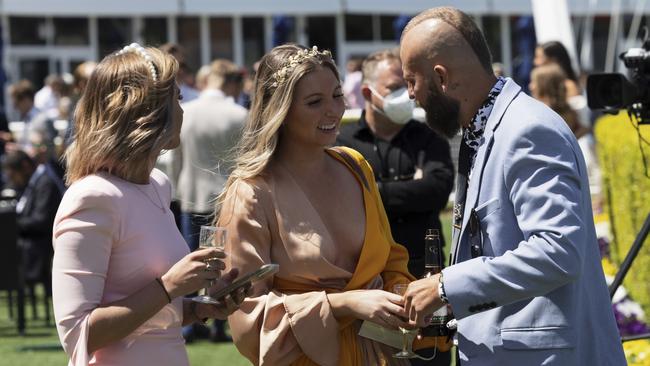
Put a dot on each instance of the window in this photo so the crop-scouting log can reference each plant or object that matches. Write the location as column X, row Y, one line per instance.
column 253, row 40
column 387, row 28
column 322, row 33
column 27, row 31
column 34, row 70
column 71, row 31
column 284, row 29
column 492, row 31
column 154, row 31
column 358, row 27
column 114, row 33
column 600, row 42
column 221, row 41
column 189, row 36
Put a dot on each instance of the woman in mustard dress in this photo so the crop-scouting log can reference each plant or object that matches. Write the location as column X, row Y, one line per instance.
column 316, row 212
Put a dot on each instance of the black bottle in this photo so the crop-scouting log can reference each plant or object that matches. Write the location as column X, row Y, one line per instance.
column 433, row 264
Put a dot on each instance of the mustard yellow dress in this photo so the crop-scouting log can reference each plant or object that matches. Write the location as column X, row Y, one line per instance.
column 288, row 320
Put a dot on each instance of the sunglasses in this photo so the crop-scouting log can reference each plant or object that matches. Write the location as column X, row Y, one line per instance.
column 475, row 237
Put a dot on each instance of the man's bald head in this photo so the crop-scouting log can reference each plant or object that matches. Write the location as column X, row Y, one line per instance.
column 457, row 27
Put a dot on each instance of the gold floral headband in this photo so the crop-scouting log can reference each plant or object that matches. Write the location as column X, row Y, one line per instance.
column 281, row 75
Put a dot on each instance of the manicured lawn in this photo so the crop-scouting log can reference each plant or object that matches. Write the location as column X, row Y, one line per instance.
column 40, row 346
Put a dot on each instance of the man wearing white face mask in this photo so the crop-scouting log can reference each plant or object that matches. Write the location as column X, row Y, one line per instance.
column 412, row 164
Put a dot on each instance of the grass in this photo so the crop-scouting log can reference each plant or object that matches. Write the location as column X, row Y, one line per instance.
column 40, row 344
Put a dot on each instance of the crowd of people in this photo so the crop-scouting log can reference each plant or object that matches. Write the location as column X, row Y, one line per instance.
column 109, row 208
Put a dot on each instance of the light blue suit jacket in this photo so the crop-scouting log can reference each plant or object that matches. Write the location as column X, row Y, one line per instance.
column 538, row 294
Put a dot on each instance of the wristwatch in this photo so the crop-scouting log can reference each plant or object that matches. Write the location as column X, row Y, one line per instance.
column 441, row 290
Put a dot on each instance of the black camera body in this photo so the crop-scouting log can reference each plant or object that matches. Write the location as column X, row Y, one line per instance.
column 613, row 92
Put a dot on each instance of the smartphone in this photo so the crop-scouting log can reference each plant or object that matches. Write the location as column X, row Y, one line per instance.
column 257, row 275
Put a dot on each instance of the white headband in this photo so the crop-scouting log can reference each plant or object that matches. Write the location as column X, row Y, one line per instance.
column 136, row 48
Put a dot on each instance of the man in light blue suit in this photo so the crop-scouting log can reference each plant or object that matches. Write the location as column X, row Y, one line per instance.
column 525, row 280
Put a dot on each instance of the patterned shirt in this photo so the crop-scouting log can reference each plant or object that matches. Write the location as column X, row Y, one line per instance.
column 473, row 135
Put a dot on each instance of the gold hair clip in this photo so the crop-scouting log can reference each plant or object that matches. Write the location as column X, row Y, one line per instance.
column 136, row 48
column 281, row 75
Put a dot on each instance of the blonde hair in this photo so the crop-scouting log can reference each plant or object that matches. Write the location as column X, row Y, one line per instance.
column 220, row 71
column 124, row 117
column 550, row 88
column 269, row 107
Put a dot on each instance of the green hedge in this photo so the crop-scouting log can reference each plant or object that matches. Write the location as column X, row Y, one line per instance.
column 627, row 196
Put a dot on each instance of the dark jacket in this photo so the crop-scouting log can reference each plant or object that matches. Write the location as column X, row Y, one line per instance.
column 412, row 205
column 35, row 216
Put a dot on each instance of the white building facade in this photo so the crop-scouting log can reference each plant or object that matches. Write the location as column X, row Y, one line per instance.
column 40, row 37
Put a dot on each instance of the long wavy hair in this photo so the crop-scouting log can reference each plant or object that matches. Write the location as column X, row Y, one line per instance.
column 269, row 108
column 555, row 51
column 123, row 119
column 550, row 88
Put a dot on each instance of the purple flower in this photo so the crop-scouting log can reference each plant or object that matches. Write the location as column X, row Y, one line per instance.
column 603, row 245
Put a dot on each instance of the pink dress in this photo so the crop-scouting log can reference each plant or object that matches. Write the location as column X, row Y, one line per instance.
column 112, row 238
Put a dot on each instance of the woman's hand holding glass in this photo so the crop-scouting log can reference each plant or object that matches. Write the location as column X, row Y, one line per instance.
column 378, row 306
column 192, row 272
column 212, row 238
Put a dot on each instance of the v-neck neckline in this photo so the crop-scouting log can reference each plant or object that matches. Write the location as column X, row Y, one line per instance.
column 364, row 197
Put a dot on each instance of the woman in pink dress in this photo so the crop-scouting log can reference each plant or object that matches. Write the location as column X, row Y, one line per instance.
column 121, row 267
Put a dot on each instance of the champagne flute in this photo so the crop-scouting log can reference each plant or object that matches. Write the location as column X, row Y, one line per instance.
column 210, row 237
column 408, row 335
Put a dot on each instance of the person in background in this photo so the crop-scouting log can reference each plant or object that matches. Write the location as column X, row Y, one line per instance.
column 248, row 87
column 22, row 97
column 185, row 75
column 211, row 126
column 121, row 267
column 555, row 52
column 80, row 76
column 5, row 136
column 412, row 164
column 41, row 189
column 201, row 78
column 352, row 83
column 47, row 98
column 498, row 69
column 526, row 283
column 548, row 85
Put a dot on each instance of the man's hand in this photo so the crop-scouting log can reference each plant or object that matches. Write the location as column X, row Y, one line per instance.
column 421, row 300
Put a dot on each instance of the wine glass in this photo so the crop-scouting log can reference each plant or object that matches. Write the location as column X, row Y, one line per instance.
column 408, row 335
column 210, row 237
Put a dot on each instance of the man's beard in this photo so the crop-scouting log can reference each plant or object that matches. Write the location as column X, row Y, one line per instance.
column 442, row 111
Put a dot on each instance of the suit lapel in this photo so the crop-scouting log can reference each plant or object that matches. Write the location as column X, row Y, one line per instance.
column 508, row 94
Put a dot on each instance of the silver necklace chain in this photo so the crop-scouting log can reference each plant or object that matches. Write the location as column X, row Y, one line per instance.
column 162, row 205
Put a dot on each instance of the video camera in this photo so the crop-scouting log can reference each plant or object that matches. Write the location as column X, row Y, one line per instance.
column 613, row 91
